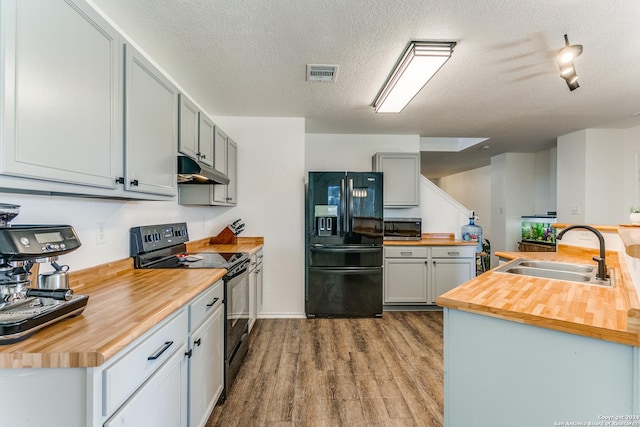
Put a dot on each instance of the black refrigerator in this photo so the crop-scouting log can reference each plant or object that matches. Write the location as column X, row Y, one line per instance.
column 344, row 231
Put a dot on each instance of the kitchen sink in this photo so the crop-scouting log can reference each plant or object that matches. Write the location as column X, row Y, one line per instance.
column 579, row 273
column 562, row 266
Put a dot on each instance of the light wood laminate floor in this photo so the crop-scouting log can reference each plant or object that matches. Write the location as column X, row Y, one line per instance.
column 340, row 372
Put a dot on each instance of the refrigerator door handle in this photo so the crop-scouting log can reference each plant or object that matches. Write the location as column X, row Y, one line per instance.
column 350, row 210
column 358, row 249
column 346, row 270
column 343, row 206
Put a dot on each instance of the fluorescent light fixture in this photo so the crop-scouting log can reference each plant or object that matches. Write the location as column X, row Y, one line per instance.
column 420, row 61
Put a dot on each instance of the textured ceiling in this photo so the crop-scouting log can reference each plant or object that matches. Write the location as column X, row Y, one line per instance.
column 248, row 58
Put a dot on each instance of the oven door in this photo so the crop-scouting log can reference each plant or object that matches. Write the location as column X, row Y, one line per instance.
column 237, row 306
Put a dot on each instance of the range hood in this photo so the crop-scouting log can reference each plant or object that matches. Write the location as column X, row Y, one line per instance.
column 192, row 172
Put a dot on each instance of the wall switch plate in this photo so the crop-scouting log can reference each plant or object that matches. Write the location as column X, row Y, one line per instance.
column 100, row 237
column 575, row 210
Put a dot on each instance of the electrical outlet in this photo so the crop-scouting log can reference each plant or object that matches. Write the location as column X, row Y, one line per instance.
column 100, row 236
column 575, row 210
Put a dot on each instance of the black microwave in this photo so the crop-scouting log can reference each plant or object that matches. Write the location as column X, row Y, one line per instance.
column 402, row 228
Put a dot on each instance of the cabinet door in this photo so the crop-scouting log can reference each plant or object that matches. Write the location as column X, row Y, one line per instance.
column 161, row 401
column 405, row 281
column 206, row 371
column 449, row 273
column 401, row 178
column 253, row 293
column 206, row 140
column 61, row 93
column 259, row 285
column 220, row 163
column 232, row 153
column 188, row 143
column 151, row 127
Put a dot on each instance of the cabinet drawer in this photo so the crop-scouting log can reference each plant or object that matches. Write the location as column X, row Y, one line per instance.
column 453, row 251
column 205, row 304
column 256, row 258
column 125, row 375
column 405, row 251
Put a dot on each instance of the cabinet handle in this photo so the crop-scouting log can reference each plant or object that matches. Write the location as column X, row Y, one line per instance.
column 406, row 253
column 453, row 253
column 189, row 353
column 215, row 300
column 204, row 156
column 162, row 349
column 198, row 342
column 257, row 271
column 120, row 180
column 134, row 182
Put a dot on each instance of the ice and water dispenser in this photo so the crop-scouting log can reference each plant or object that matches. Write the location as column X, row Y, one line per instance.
column 326, row 220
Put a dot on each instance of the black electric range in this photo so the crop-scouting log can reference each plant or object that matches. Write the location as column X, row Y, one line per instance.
column 164, row 246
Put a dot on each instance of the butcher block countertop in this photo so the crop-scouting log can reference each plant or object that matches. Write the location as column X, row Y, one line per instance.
column 611, row 314
column 431, row 239
column 124, row 303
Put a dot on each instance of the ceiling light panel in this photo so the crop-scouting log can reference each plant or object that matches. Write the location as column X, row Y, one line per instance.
column 419, row 63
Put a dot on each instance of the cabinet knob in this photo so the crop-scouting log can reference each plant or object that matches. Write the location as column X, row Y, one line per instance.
column 134, row 182
column 189, row 353
column 198, row 342
column 120, row 180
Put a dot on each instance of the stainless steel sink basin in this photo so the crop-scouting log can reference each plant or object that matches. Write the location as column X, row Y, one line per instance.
column 579, row 273
column 562, row 266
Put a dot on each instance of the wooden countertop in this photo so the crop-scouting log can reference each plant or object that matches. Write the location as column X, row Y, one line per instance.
column 124, row 303
column 611, row 314
column 431, row 239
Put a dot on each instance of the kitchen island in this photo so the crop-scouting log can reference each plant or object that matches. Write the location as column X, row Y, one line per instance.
column 74, row 368
column 529, row 351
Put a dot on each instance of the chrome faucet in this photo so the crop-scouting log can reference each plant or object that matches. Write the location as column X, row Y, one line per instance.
column 602, row 266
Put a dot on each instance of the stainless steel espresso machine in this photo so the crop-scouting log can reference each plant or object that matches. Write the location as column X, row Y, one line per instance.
column 28, row 304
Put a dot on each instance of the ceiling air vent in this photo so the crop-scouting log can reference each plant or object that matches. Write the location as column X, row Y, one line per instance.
column 321, row 73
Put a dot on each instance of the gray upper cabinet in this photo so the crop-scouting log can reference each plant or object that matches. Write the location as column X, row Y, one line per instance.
column 232, row 154
column 215, row 195
column 207, row 134
column 220, row 163
column 61, row 105
column 188, row 143
column 151, row 127
column 401, row 178
column 81, row 113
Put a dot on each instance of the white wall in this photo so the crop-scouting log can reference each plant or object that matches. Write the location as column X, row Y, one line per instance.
column 473, row 189
column 596, row 169
column 271, row 202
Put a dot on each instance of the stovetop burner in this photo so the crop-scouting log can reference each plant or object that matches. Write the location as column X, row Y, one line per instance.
column 202, row 260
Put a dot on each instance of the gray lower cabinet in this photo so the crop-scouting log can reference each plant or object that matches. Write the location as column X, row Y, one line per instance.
column 255, row 287
column 417, row 275
column 451, row 266
column 171, row 376
column 206, row 349
column 63, row 106
column 406, row 275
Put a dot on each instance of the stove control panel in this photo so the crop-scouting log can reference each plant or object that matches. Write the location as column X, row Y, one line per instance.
column 146, row 238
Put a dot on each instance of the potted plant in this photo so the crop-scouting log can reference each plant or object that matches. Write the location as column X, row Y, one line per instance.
column 634, row 215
